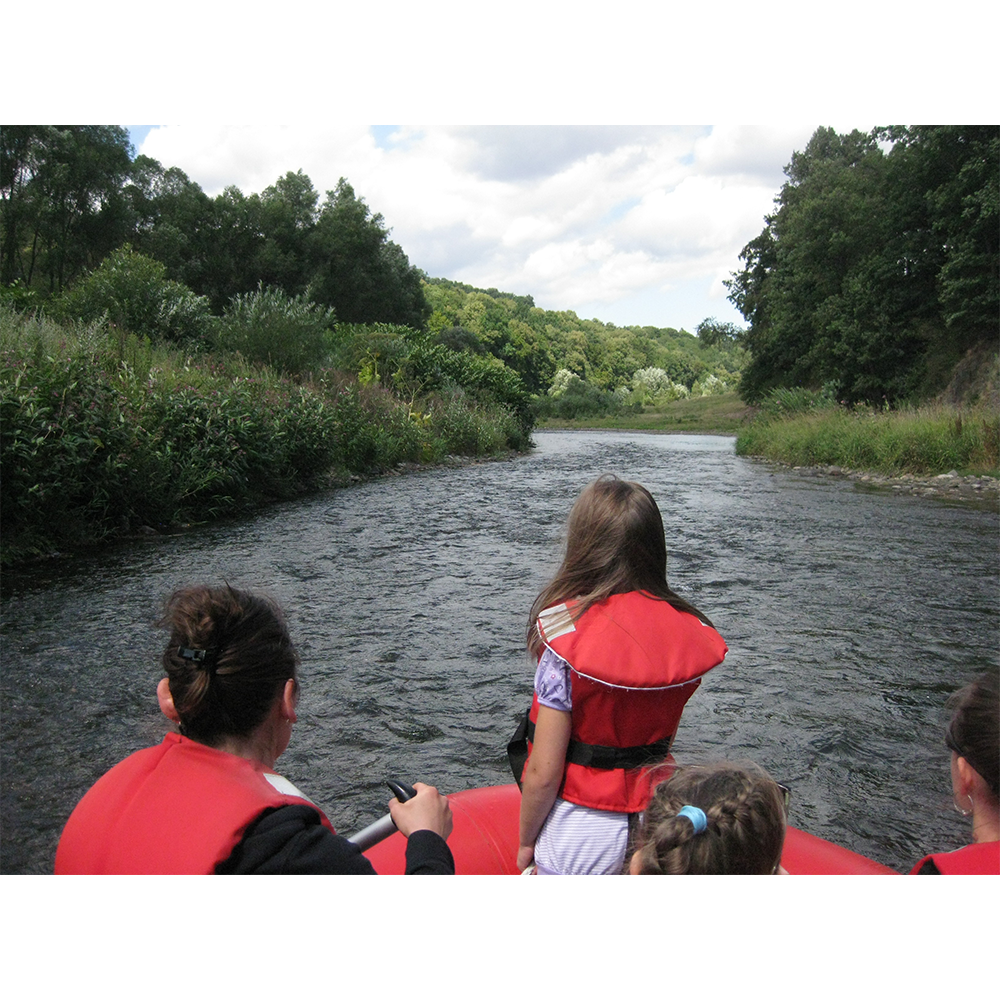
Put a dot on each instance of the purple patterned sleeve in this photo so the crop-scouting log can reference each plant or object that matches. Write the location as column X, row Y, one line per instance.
column 552, row 682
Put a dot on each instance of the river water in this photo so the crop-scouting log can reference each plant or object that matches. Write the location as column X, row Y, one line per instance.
column 850, row 616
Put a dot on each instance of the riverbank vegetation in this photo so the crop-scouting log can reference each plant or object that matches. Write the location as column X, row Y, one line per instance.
column 803, row 428
column 879, row 270
column 104, row 433
column 549, row 349
column 170, row 357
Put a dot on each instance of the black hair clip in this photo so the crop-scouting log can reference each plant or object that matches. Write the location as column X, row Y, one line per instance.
column 204, row 657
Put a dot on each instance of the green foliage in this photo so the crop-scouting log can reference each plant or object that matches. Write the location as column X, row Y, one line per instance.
column 70, row 195
column 457, row 338
column 102, row 432
column 927, row 441
column 561, row 381
column 655, row 385
column 16, row 296
column 267, row 327
column 786, row 402
column 174, row 222
column 372, row 428
column 135, row 295
column 537, row 343
column 462, row 426
column 415, row 364
column 357, row 270
column 712, row 333
column 878, row 270
column 62, row 206
column 579, row 400
column 713, row 385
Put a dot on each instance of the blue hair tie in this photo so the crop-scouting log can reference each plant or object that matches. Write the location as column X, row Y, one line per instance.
column 697, row 816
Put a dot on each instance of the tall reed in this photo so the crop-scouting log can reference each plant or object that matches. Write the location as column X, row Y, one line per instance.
column 929, row 440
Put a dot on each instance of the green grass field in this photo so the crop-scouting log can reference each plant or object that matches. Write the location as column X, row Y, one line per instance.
column 722, row 414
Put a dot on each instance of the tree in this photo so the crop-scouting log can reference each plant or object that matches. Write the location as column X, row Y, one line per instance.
column 713, row 333
column 960, row 165
column 269, row 327
column 833, row 289
column 358, row 271
column 133, row 291
column 63, row 208
column 173, row 221
column 288, row 217
column 18, row 149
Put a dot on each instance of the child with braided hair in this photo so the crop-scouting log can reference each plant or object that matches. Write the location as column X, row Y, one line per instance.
column 713, row 819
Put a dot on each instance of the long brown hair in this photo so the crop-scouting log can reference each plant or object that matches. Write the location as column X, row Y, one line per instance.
column 228, row 658
column 614, row 545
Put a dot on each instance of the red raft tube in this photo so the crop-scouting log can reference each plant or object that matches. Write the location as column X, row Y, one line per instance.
column 484, row 842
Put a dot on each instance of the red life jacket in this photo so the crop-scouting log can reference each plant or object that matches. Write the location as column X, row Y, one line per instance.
column 976, row 859
column 634, row 660
column 174, row 809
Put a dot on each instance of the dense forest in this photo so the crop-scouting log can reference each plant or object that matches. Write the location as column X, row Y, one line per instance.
column 879, row 270
column 555, row 351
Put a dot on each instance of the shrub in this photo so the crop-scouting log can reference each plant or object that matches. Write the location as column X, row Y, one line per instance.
column 268, row 327
column 786, row 402
column 133, row 292
column 462, row 427
column 561, row 381
column 926, row 441
column 371, row 428
column 579, row 399
column 415, row 365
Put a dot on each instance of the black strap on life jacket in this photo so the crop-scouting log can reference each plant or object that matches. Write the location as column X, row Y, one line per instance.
column 586, row 754
column 612, row 758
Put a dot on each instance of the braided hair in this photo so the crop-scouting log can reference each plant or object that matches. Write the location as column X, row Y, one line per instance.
column 745, row 823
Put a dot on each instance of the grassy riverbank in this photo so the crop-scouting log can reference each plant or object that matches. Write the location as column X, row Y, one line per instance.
column 720, row 414
column 930, row 440
column 103, row 434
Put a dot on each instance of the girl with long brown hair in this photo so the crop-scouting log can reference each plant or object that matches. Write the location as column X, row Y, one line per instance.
column 619, row 654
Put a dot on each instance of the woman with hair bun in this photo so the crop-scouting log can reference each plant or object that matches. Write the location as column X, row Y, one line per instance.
column 973, row 736
column 207, row 799
column 713, row 819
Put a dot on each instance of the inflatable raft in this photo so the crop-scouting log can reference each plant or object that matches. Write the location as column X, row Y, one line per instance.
column 484, row 842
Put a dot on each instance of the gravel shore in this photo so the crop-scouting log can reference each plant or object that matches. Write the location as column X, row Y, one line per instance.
column 978, row 491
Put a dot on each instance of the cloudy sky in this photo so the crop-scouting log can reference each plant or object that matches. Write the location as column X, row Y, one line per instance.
column 626, row 224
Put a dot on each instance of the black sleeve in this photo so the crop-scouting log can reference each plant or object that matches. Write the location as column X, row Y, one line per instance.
column 428, row 854
column 291, row 840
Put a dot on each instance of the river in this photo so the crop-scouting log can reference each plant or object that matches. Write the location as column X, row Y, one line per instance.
column 850, row 616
